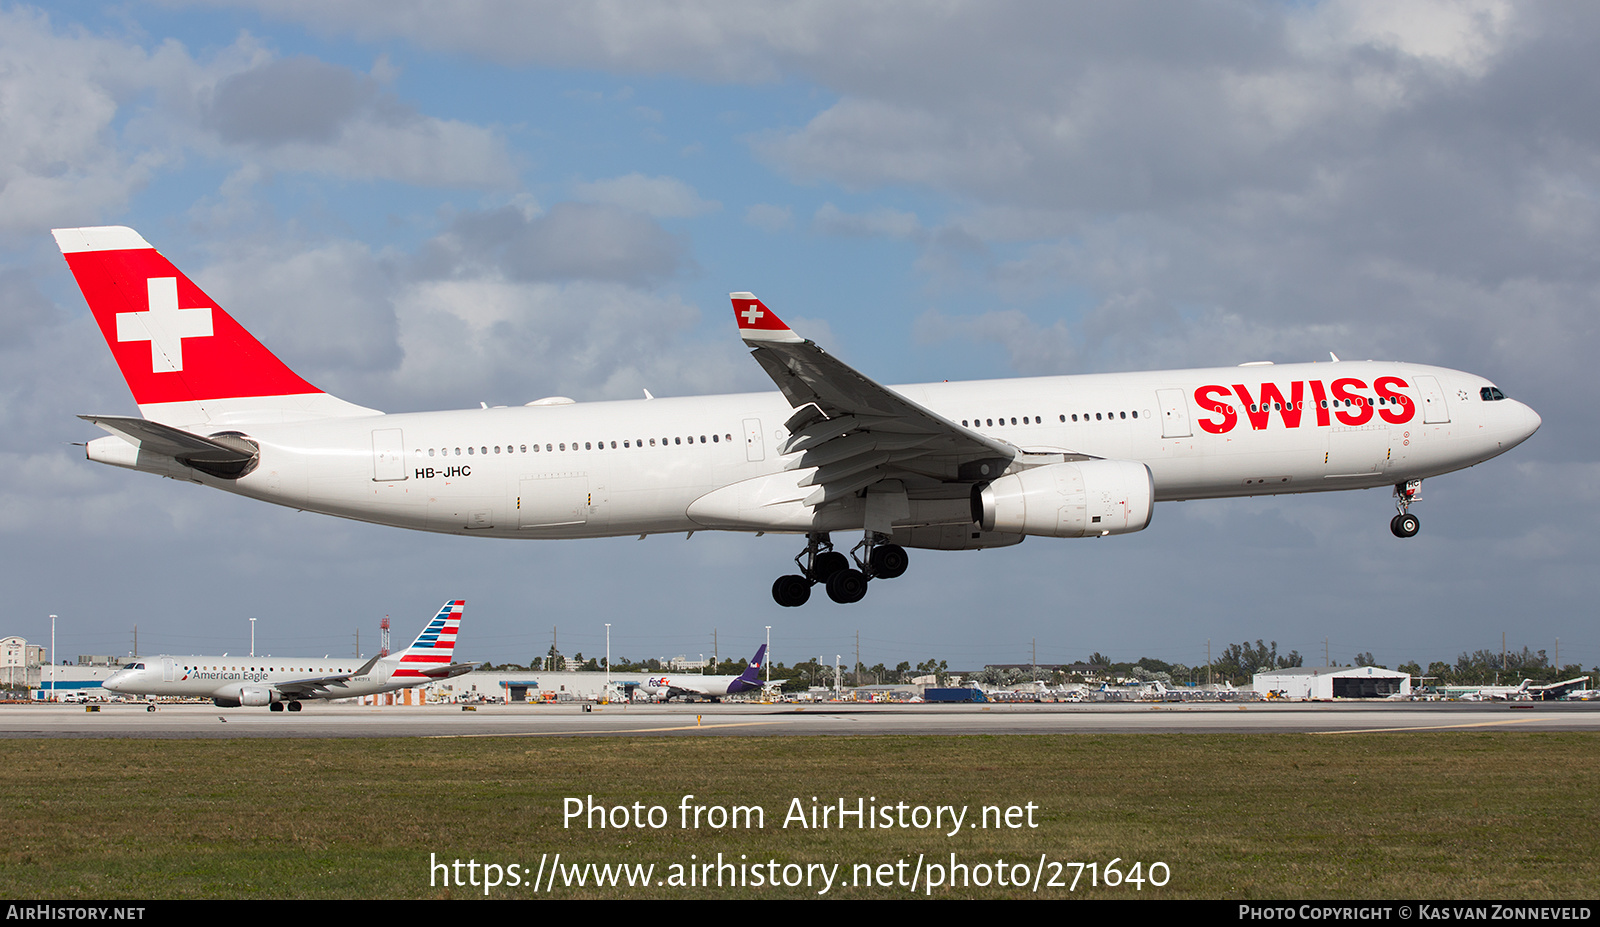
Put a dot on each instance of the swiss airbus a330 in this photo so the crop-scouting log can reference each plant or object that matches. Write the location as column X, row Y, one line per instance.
column 943, row 466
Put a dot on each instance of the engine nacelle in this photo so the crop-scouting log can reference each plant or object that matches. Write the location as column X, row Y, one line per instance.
column 256, row 696
column 1089, row 498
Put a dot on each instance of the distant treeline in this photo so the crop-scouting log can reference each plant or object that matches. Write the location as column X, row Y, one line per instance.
column 1236, row 664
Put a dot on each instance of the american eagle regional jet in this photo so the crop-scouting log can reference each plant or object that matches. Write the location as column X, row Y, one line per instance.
column 942, row 466
column 279, row 681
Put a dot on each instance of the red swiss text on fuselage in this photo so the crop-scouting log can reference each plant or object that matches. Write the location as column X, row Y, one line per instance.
column 1339, row 401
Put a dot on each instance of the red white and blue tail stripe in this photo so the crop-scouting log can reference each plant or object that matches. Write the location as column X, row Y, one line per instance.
column 434, row 647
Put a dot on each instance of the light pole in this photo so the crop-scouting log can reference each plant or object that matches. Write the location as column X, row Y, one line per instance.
column 252, row 637
column 766, row 667
column 608, row 658
column 52, row 658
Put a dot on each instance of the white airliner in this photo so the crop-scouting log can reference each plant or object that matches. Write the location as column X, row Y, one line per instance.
column 1488, row 693
column 944, row 466
column 278, row 681
column 712, row 687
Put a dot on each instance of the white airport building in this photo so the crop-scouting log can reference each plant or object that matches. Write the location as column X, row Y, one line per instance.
column 1330, row 682
column 20, row 662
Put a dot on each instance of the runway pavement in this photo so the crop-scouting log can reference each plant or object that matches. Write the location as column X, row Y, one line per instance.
column 571, row 720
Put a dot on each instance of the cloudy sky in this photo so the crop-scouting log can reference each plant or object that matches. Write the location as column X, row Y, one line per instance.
column 424, row 206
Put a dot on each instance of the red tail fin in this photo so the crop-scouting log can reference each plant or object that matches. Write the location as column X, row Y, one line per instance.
column 174, row 344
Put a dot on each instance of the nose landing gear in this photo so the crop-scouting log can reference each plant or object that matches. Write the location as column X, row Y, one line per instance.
column 820, row 563
column 1405, row 524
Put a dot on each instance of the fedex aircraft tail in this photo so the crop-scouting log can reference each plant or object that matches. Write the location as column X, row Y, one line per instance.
column 752, row 673
column 429, row 656
column 186, row 361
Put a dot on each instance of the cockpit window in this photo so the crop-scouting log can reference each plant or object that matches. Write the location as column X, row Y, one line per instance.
column 134, row 666
column 1491, row 394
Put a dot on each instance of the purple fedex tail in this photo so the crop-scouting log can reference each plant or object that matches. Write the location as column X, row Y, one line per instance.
column 750, row 679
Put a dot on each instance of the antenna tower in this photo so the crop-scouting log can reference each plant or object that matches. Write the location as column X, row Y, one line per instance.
column 384, row 627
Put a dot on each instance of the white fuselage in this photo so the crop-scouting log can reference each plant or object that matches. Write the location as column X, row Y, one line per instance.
column 599, row 469
column 670, row 684
column 227, row 677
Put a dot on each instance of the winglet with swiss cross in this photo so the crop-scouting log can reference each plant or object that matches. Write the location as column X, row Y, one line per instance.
column 759, row 324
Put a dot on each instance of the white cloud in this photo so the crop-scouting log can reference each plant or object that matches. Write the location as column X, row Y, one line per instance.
column 459, row 321
column 1462, row 35
column 661, row 197
column 510, row 342
column 59, row 99
column 769, row 218
column 1033, row 350
column 89, row 120
column 882, row 222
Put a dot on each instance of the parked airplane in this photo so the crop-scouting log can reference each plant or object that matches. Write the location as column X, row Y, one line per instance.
column 278, row 681
column 1517, row 692
column 711, row 687
column 944, row 466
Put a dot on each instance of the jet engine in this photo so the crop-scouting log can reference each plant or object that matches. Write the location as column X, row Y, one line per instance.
column 256, row 696
column 1088, row 498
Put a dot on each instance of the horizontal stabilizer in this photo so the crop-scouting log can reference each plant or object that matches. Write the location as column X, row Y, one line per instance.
column 165, row 439
column 227, row 456
column 451, row 671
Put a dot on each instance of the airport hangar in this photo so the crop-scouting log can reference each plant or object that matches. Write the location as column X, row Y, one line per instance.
column 1331, row 682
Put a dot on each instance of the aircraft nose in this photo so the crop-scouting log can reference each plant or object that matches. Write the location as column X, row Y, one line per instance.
column 1524, row 422
column 1530, row 421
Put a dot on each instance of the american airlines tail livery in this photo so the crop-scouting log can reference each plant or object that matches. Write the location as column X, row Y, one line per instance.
column 942, row 466
column 279, row 681
column 714, row 688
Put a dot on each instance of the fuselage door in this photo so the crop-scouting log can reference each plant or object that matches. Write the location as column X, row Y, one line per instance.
column 1434, row 411
column 388, row 456
column 1174, row 413
column 558, row 499
column 754, row 448
column 169, row 669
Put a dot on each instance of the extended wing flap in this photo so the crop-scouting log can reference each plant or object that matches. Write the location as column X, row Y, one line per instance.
column 858, row 416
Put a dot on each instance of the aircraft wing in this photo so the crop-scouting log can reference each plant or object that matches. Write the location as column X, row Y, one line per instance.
column 856, row 431
column 321, row 686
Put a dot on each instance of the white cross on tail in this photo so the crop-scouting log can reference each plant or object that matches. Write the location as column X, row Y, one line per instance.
column 164, row 326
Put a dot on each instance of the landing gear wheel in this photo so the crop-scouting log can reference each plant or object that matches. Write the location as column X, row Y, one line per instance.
column 828, row 564
column 294, row 706
column 791, row 591
column 1405, row 525
column 275, row 706
column 847, row 586
column 889, row 561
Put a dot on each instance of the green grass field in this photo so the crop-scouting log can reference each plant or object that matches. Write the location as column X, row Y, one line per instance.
column 1492, row 815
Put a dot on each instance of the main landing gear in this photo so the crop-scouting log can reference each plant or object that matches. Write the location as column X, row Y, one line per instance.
column 279, row 706
column 1405, row 524
column 875, row 558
